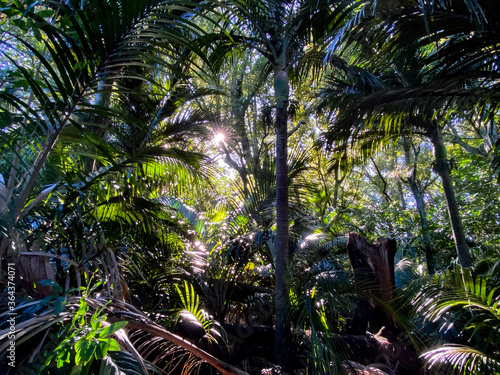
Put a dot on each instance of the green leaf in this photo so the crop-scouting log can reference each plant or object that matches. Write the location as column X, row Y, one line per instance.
column 112, row 328
column 102, row 349
column 81, row 313
column 63, row 357
column 59, row 305
column 96, row 320
column 80, row 349
column 491, row 296
column 106, row 345
column 89, row 352
column 46, row 13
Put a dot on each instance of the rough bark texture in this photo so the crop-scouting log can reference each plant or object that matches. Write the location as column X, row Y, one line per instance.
column 390, row 349
column 373, row 266
column 441, row 167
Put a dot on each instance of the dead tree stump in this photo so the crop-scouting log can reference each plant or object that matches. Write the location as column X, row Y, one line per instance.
column 373, row 266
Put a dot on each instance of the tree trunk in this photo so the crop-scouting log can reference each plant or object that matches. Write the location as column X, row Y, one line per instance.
column 373, row 266
column 419, row 199
column 282, row 340
column 429, row 257
column 401, row 195
column 441, row 167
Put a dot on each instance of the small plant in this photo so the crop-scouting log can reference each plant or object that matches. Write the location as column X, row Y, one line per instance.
column 85, row 340
column 194, row 314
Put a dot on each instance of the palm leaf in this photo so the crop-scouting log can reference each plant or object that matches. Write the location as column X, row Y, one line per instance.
column 458, row 359
column 474, row 305
column 82, row 49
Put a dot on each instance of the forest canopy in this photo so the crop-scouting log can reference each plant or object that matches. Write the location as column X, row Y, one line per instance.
column 249, row 187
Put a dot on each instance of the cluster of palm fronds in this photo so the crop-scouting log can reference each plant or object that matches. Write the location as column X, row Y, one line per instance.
column 464, row 309
column 89, row 137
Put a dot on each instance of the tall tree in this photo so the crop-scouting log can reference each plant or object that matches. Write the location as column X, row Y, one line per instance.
column 286, row 33
column 417, row 189
column 419, row 79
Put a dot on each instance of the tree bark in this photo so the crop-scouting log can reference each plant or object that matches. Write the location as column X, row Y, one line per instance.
column 442, row 169
column 373, row 266
column 282, row 340
column 401, row 195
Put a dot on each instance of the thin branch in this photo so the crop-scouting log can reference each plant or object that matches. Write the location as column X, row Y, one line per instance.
column 384, row 191
column 295, row 128
column 424, row 188
column 229, row 160
column 456, row 139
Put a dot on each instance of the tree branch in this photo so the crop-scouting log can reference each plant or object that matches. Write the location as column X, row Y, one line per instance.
column 384, row 191
column 424, row 188
column 156, row 330
column 456, row 139
column 301, row 122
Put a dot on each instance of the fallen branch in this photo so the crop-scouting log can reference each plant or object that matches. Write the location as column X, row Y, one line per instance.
column 223, row 367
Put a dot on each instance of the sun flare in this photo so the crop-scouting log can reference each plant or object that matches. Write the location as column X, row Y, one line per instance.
column 219, row 137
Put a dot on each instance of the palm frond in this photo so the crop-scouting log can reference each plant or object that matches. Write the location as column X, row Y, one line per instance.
column 459, row 359
column 473, row 307
column 83, row 54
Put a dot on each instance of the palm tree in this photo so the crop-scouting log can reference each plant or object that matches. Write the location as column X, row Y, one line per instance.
column 426, row 67
column 285, row 33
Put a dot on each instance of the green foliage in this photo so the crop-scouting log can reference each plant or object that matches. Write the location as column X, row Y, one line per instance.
column 70, row 333
column 322, row 298
column 85, row 340
column 471, row 305
column 457, row 359
column 107, row 168
column 193, row 314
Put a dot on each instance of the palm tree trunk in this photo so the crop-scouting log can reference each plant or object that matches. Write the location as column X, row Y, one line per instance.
column 441, row 167
column 282, row 336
